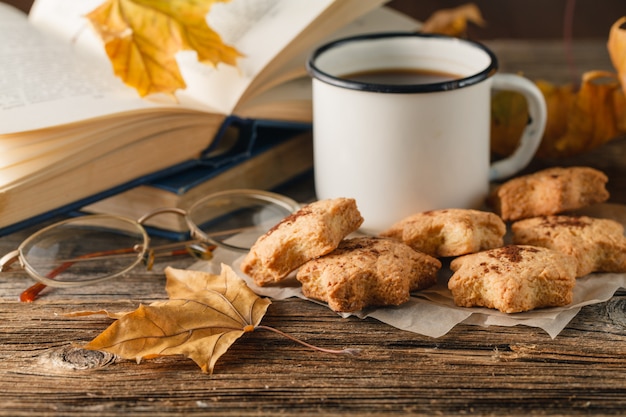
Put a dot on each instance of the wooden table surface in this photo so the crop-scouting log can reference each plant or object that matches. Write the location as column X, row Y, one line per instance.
column 471, row 370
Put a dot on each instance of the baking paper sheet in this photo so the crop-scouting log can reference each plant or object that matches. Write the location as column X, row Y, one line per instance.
column 432, row 312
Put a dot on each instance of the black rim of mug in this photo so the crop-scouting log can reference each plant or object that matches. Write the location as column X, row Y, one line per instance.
column 315, row 72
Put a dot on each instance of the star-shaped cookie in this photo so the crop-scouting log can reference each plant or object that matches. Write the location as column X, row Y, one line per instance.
column 367, row 271
column 513, row 279
column 595, row 244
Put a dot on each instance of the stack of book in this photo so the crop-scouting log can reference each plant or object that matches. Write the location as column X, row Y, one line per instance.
column 71, row 134
column 263, row 155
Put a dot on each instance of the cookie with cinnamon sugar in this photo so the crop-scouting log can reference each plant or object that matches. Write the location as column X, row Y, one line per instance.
column 367, row 271
column 450, row 232
column 550, row 191
column 595, row 244
column 314, row 230
column 513, row 279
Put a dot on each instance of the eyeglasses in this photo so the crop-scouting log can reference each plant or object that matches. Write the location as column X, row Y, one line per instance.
column 93, row 248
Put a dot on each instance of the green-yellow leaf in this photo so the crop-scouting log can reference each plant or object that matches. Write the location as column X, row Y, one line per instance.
column 204, row 316
column 142, row 38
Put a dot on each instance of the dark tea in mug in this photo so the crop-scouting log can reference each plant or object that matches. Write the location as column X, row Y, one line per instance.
column 401, row 76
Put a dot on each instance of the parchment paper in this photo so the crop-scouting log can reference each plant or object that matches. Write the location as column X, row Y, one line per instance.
column 432, row 312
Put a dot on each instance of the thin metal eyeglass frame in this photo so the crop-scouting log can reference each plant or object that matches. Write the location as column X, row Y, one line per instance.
column 142, row 249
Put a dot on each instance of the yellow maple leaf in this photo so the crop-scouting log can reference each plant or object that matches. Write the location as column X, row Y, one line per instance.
column 142, row 38
column 204, row 315
column 453, row 21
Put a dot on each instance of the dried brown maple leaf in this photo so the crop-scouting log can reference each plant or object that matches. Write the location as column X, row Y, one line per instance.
column 579, row 119
column 142, row 37
column 204, row 316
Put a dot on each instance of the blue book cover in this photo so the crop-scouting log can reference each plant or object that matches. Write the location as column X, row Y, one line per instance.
column 252, row 137
column 238, row 140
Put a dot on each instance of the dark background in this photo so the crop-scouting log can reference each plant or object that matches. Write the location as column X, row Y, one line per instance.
column 513, row 18
column 529, row 18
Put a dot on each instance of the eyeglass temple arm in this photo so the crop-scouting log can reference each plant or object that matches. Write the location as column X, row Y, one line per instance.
column 153, row 213
column 9, row 259
column 174, row 210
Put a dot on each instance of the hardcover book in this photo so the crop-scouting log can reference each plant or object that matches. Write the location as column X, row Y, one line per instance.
column 71, row 132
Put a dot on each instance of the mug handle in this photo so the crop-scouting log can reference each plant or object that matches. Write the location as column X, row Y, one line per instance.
column 531, row 137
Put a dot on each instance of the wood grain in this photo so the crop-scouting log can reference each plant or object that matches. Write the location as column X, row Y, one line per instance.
column 471, row 370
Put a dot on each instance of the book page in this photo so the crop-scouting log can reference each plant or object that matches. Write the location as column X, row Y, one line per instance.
column 381, row 19
column 77, row 78
column 259, row 29
column 335, row 16
column 45, row 83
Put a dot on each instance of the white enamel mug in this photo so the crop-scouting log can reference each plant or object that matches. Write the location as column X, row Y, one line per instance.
column 400, row 149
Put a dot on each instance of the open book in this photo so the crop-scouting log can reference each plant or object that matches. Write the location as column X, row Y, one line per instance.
column 70, row 130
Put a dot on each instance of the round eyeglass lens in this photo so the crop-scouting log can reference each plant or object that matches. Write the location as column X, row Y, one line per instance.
column 237, row 218
column 84, row 250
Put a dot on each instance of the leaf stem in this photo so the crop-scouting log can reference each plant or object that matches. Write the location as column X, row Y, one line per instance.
column 348, row 351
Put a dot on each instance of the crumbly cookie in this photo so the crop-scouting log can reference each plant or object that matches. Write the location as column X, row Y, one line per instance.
column 595, row 244
column 367, row 271
column 513, row 279
column 450, row 232
column 547, row 192
column 312, row 231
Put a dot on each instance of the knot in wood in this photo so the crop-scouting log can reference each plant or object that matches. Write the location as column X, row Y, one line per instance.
column 76, row 358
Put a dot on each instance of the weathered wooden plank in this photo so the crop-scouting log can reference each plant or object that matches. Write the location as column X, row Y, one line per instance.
column 551, row 60
column 495, row 370
column 484, row 370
